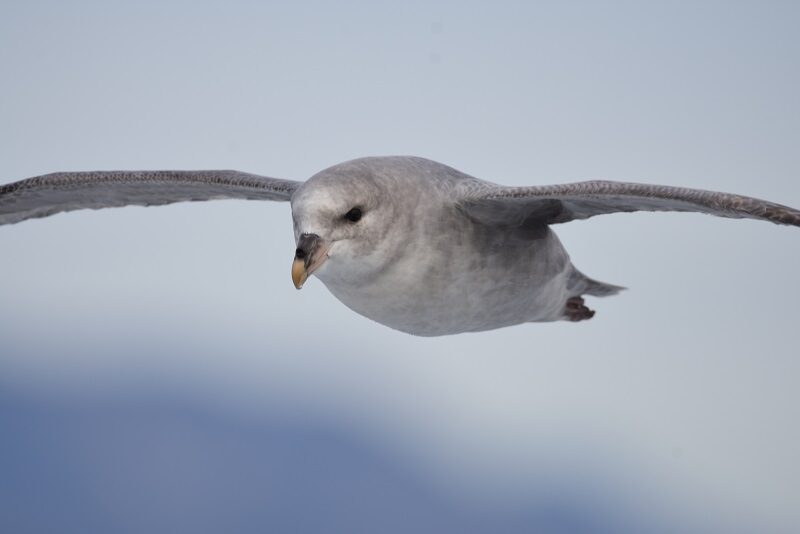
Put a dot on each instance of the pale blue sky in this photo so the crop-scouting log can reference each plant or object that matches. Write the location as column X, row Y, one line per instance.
column 681, row 391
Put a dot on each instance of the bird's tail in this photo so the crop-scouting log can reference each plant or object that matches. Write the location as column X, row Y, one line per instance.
column 583, row 285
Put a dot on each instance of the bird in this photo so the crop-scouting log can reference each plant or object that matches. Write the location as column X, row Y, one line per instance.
column 413, row 244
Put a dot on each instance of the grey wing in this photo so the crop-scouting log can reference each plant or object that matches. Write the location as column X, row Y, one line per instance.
column 553, row 204
column 65, row 191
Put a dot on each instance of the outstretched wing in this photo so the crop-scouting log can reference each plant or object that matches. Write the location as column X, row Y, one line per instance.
column 551, row 204
column 65, row 191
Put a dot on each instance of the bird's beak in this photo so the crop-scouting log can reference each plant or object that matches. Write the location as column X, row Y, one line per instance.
column 312, row 251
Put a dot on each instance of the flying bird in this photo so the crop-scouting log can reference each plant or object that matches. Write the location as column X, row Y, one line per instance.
column 408, row 242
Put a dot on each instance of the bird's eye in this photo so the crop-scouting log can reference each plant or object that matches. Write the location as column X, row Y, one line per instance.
column 354, row 215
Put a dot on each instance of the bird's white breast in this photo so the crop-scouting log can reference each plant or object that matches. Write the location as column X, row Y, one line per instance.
column 435, row 290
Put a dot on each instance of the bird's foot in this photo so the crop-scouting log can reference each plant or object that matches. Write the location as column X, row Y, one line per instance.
column 576, row 310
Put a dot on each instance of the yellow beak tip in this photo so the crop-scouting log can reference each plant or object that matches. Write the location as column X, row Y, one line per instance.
column 299, row 273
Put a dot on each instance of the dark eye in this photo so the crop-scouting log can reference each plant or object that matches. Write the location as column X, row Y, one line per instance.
column 354, row 215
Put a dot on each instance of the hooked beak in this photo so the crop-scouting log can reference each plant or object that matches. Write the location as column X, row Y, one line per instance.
column 312, row 251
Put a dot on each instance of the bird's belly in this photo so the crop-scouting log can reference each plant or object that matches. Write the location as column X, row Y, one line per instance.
column 425, row 299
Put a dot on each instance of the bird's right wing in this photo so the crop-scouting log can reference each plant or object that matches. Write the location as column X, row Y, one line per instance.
column 552, row 204
column 66, row 191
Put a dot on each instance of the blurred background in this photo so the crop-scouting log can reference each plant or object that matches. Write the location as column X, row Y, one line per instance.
column 159, row 372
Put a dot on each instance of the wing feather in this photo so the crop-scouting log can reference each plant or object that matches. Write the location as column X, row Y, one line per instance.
column 554, row 204
column 66, row 191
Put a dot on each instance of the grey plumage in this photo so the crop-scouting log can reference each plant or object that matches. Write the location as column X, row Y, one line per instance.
column 436, row 251
column 553, row 204
column 65, row 191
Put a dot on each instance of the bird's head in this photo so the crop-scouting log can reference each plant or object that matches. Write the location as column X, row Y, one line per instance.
column 344, row 224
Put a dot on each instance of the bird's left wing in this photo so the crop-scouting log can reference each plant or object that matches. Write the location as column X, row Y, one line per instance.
column 65, row 191
column 551, row 204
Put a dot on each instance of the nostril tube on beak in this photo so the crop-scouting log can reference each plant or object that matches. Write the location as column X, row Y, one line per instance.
column 306, row 246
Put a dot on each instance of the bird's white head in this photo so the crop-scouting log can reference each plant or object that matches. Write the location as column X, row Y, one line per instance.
column 347, row 225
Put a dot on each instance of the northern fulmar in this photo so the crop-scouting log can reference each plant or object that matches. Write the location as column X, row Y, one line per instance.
column 408, row 242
